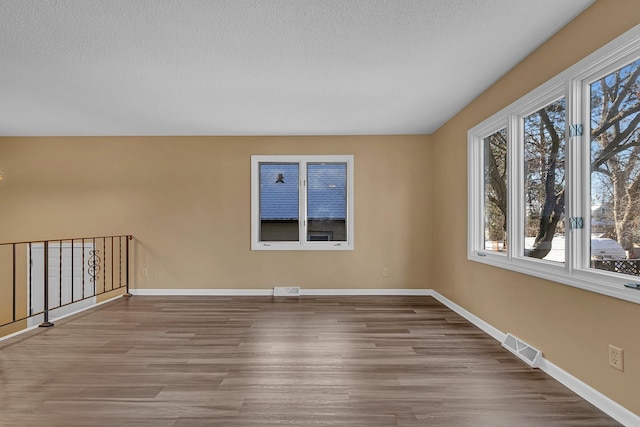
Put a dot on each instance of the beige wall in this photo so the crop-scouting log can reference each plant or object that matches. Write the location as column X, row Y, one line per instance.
column 572, row 327
column 187, row 202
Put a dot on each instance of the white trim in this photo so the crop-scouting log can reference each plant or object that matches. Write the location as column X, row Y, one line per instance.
column 302, row 243
column 486, row 327
column 89, row 308
column 585, row 391
column 364, row 292
column 604, row 283
column 20, row 332
column 66, row 310
column 619, row 48
column 203, row 292
column 591, row 395
column 476, row 182
column 269, row 292
column 59, row 318
column 576, row 271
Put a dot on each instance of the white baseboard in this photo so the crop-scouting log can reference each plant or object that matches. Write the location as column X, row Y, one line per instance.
column 204, row 292
column 362, row 292
column 591, row 395
column 588, row 393
column 490, row 330
column 30, row 328
column 269, row 292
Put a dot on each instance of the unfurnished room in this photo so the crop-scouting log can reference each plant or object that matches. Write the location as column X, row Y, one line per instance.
column 319, row 213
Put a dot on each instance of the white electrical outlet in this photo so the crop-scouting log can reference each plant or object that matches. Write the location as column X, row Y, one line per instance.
column 385, row 272
column 616, row 358
column 145, row 273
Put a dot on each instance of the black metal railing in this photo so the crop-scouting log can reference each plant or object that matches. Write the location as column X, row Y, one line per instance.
column 49, row 278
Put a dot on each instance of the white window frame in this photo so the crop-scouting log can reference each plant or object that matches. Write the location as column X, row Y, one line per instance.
column 302, row 243
column 573, row 84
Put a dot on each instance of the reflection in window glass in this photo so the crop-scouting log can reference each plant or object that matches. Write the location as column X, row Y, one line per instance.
column 495, row 191
column 327, row 201
column 279, row 213
column 615, row 171
column 544, row 182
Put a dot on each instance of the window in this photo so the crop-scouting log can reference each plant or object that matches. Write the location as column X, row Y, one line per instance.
column 302, row 202
column 544, row 181
column 554, row 178
column 495, row 191
column 615, row 170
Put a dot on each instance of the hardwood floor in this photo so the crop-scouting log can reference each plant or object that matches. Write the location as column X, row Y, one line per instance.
column 259, row 361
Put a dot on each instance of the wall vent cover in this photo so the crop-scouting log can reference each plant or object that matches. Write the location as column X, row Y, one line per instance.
column 293, row 291
column 524, row 351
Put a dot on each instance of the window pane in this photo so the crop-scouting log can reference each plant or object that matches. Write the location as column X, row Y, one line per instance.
column 544, row 181
column 279, row 217
column 615, row 171
column 326, row 201
column 495, row 192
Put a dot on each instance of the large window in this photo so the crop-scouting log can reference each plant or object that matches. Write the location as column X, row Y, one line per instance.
column 302, row 202
column 554, row 178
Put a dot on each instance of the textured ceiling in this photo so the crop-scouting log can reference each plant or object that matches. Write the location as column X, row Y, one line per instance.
column 257, row 67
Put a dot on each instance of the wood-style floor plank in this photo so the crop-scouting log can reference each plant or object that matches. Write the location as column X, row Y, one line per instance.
column 260, row 361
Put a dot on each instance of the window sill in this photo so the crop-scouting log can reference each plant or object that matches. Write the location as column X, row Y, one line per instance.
column 308, row 246
column 609, row 284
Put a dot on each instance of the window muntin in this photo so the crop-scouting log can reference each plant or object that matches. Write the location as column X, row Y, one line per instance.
column 302, row 202
column 543, row 140
column 582, row 187
column 614, row 117
column 495, row 191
